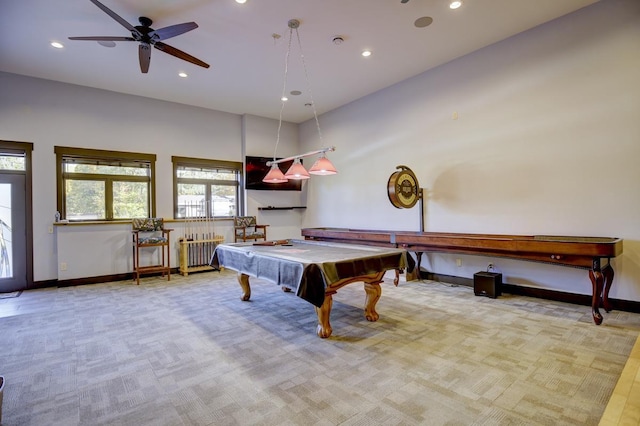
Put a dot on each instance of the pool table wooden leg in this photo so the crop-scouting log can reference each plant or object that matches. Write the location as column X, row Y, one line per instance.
column 374, row 291
column 324, row 312
column 371, row 287
column 243, row 279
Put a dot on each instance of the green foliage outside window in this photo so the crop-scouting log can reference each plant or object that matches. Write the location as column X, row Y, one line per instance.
column 85, row 200
column 10, row 162
column 127, row 197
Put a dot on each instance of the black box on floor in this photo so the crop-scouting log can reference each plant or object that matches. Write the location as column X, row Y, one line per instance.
column 487, row 284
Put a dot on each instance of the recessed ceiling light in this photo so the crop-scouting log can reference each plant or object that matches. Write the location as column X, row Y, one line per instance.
column 241, row 1
column 366, row 53
column 455, row 4
column 57, row 45
column 284, row 99
column 183, row 74
column 425, row 21
column 296, row 92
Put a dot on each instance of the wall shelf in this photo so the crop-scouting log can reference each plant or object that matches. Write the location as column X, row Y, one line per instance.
column 281, row 208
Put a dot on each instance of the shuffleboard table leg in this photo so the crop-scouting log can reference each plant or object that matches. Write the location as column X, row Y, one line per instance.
column 597, row 282
column 324, row 312
column 243, row 279
column 374, row 291
column 607, row 272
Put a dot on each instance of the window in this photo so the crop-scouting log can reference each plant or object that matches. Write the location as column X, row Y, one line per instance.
column 104, row 185
column 10, row 161
column 206, row 188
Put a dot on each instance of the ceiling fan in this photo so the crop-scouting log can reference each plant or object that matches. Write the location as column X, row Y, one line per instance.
column 148, row 37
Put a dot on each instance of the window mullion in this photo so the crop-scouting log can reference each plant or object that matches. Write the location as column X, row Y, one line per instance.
column 108, row 195
column 208, row 207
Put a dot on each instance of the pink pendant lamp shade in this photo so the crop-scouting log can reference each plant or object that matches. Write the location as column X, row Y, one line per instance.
column 297, row 171
column 323, row 167
column 275, row 175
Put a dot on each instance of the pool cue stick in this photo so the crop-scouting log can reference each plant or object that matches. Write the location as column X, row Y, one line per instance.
column 186, row 228
column 211, row 232
column 190, row 233
column 200, row 215
column 199, row 234
column 206, row 231
column 194, row 233
column 204, row 235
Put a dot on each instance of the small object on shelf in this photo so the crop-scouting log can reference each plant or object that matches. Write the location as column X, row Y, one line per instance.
column 195, row 254
column 281, row 208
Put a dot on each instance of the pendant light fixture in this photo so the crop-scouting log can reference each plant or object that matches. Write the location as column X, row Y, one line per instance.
column 323, row 167
column 297, row 171
column 274, row 175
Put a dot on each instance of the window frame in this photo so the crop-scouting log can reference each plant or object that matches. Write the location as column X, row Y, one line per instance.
column 235, row 166
column 86, row 155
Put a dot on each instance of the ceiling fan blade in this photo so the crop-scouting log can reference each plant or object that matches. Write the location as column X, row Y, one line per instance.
column 144, row 54
column 115, row 16
column 103, row 38
column 179, row 54
column 172, row 30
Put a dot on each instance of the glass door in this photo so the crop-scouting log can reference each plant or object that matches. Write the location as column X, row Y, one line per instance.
column 13, row 242
column 16, row 229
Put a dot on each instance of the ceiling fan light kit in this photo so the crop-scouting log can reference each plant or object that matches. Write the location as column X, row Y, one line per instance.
column 146, row 37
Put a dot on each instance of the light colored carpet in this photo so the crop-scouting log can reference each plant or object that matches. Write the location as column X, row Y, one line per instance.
column 189, row 352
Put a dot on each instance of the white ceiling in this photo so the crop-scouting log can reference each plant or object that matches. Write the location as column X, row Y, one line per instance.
column 247, row 62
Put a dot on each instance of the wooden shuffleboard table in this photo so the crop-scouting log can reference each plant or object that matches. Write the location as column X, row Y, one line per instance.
column 590, row 253
column 313, row 270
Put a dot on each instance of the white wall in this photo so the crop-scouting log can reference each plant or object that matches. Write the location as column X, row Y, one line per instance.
column 49, row 113
column 96, row 250
column 547, row 141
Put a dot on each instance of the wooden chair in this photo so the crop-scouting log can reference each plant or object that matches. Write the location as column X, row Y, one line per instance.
column 150, row 232
column 247, row 229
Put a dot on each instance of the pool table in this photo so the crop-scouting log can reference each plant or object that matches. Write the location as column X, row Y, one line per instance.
column 313, row 270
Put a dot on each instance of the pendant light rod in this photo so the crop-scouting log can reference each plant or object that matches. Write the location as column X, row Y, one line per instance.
column 306, row 154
